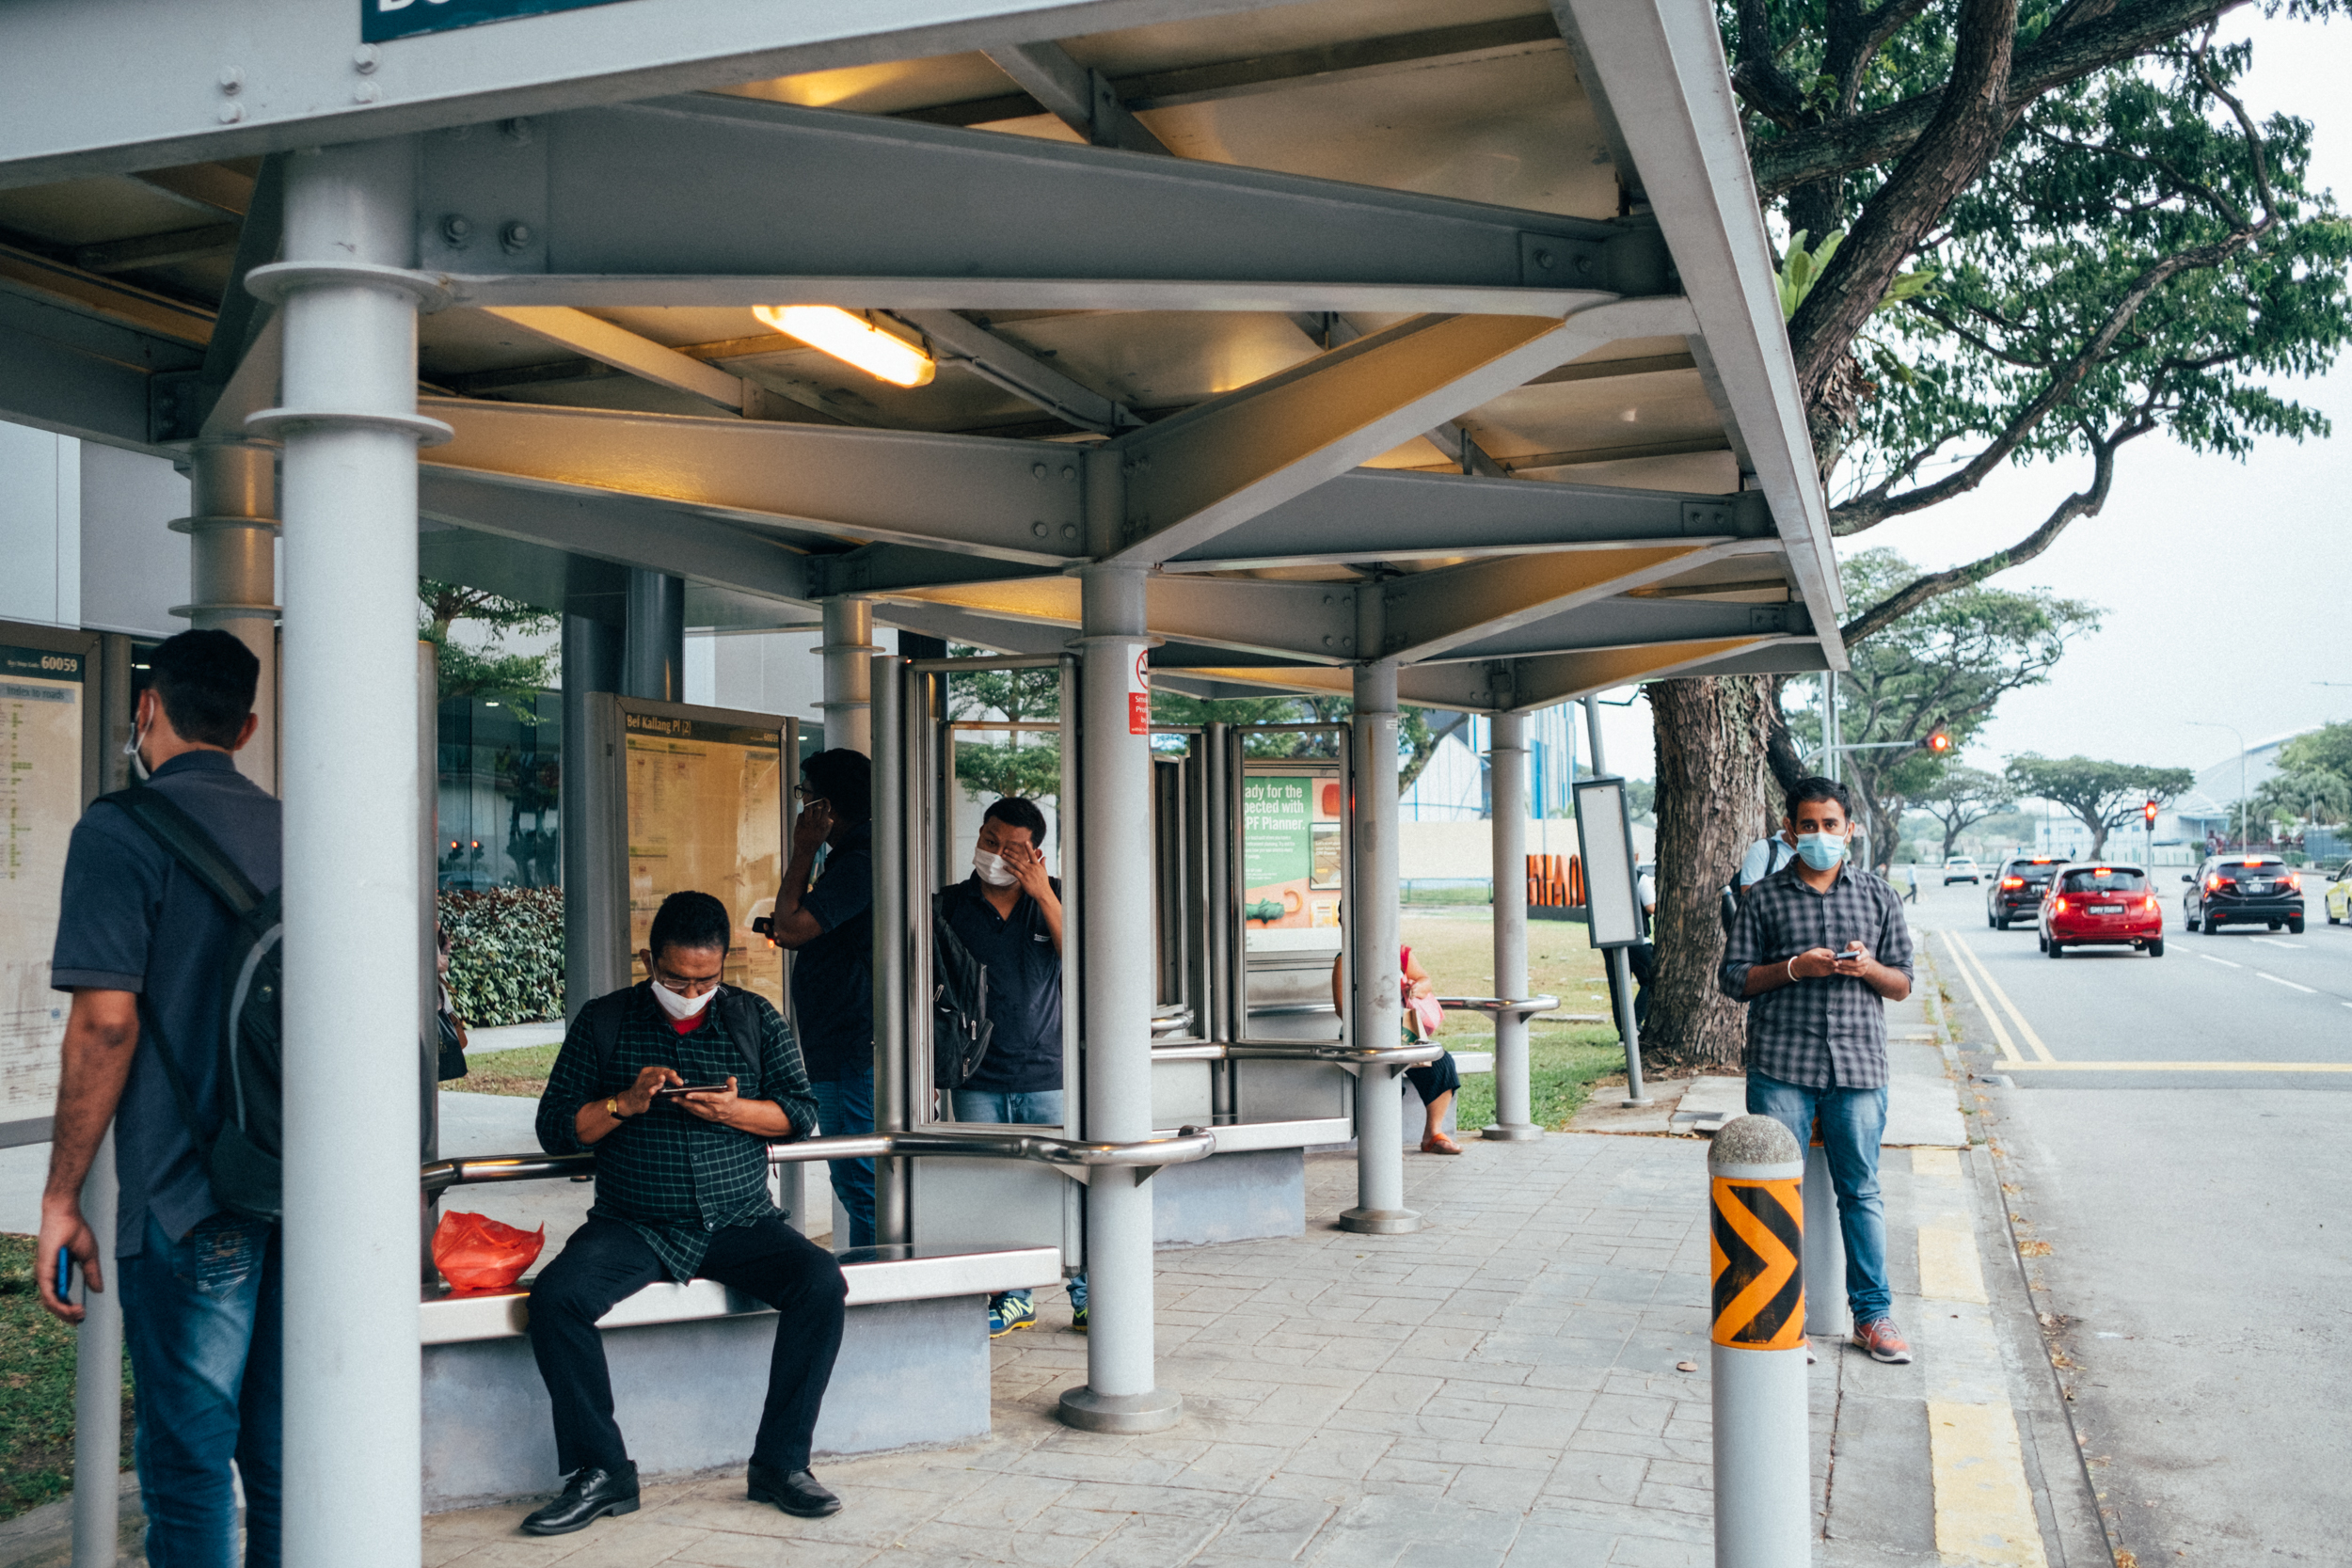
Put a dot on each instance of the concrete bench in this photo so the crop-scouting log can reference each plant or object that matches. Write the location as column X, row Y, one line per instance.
column 690, row 1370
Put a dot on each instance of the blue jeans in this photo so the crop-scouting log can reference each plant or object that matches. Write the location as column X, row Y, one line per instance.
column 1038, row 1107
column 846, row 1107
column 1852, row 1120
column 205, row 1321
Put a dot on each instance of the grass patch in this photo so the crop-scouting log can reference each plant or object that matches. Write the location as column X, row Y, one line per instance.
column 522, row 1073
column 37, row 1390
column 1562, row 1066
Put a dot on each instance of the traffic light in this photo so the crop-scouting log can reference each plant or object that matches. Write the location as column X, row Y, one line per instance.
column 2148, row 813
column 1938, row 742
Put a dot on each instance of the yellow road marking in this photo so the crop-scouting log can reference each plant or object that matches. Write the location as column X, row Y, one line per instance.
column 2002, row 997
column 2179, row 1067
column 1948, row 1266
column 2009, row 1047
column 1942, row 1164
column 1983, row 1509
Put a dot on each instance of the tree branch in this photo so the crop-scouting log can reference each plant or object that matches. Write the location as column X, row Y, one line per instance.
column 1950, row 153
column 1758, row 77
column 2066, row 52
column 2082, row 503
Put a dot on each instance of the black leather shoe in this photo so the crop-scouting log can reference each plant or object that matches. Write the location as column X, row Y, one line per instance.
column 589, row 1495
column 793, row 1490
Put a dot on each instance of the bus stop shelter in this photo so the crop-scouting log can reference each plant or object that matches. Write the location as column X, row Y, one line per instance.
column 1429, row 353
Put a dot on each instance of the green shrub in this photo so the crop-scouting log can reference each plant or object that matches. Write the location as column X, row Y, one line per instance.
column 506, row 953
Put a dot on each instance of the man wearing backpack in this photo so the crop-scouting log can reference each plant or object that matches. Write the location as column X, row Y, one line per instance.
column 681, row 1194
column 148, row 952
column 1007, row 916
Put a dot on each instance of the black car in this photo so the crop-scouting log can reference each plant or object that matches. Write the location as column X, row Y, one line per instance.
column 2016, row 893
column 2242, row 889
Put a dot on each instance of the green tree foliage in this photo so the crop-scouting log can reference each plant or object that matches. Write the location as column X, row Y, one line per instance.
column 2325, row 750
column 1944, row 666
column 515, row 678
column 506, row 953
column 2292, row 797
column 1959, row 798
column 1015, row 762
column 2101, row 795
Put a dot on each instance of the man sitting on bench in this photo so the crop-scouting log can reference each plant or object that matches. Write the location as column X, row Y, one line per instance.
column 679, row 1085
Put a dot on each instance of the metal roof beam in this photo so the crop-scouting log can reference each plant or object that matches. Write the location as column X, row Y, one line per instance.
column 231, row 78
column 1015, row 501
column 1215, row 465
column 1670, row 93
column 1632, row 623
column 1023, row 374
column 595, row 339
column 1081, row 99
column 724, row 201
column 621, row 528
column 78, row 374
column 1427, row 615
column 1397, row 514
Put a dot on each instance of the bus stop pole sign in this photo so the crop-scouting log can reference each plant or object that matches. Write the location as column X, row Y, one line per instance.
column 1604, row 832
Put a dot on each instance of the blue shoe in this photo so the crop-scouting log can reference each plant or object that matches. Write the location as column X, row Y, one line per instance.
column 1009, row 1312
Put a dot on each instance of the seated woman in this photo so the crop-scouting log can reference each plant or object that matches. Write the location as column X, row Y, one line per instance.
column 1435, row 1081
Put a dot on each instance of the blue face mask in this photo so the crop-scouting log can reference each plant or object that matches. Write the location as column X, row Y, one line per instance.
column 1820, row 850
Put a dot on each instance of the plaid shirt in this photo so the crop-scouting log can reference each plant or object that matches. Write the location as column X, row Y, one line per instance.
column 1829, row 1033
column 669, row 1175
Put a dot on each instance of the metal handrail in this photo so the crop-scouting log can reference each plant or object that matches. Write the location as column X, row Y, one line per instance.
column 1527, row 1004
column 1345, row 1055
column 1190, row 1143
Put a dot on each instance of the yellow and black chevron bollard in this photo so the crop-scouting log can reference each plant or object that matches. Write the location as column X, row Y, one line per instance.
column 1755, row 1221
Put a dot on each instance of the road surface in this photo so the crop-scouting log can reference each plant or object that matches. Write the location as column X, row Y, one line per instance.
column 2176, row 1139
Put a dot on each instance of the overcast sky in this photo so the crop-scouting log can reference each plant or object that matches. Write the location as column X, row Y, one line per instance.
column 2227, row 586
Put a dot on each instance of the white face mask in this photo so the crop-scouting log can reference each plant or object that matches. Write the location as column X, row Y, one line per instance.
column 682, row 1007
column 992, row 869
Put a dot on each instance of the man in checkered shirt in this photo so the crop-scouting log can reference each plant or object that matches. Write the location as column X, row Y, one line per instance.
column 1819, row 948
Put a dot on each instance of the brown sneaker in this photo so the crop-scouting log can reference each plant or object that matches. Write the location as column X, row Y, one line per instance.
column 1880, row 1339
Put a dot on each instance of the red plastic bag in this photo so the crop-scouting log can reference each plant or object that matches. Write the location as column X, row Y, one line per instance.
column 475, row 1252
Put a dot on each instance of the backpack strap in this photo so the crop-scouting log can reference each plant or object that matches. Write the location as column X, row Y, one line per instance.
column 180, row 1091
column 185, row 841
column 603, row 1018
column 738, row 1015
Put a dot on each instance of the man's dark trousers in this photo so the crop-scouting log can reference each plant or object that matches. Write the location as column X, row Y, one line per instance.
column 606, row 1261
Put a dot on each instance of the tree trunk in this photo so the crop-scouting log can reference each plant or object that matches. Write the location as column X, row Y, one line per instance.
column 1712, row 791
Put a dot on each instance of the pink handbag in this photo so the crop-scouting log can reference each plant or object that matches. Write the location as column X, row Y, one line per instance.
column 1428, row 1018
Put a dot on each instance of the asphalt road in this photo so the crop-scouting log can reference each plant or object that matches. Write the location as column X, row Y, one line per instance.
column 2176, row 1142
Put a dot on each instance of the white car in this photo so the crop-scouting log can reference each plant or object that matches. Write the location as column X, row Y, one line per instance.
column 1960, row 868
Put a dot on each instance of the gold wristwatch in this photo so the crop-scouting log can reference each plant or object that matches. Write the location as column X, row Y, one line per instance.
column 612, row 1109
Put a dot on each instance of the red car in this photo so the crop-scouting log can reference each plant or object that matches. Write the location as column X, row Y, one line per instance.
column 2101, row 905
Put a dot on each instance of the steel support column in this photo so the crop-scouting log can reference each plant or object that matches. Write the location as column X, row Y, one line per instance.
column 849, row 651
column 1374, row 1004
column 1114, row 860
column 653, row 657
column 350, row 766
column 592, row 662
column 232, row 571
column 1506, row 769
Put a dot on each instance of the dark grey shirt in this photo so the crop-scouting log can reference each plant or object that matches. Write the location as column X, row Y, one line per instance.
column 131, row 920
column 1024, row 1054
column 832, row 974
column 1829, row 1033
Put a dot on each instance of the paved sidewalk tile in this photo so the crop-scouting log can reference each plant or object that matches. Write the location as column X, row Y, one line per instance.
column 1503, row 1386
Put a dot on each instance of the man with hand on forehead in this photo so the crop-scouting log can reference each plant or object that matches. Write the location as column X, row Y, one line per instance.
column 1819, row 948
column 1007, row 916
column 679, row 1085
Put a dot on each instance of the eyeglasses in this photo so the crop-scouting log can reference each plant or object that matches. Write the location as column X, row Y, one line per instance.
column 804, row 795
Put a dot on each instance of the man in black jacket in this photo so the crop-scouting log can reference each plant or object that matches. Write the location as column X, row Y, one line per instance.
column 681, row 1194
column 1007, row 916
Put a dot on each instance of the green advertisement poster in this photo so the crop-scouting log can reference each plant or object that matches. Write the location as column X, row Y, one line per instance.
column 1275, row 814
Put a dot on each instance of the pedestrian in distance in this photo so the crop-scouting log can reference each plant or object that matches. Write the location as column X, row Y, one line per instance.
column 828, row 920
column 1007, row 916
column 680, row 1083
column 1819, row 948
column 145, row 947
